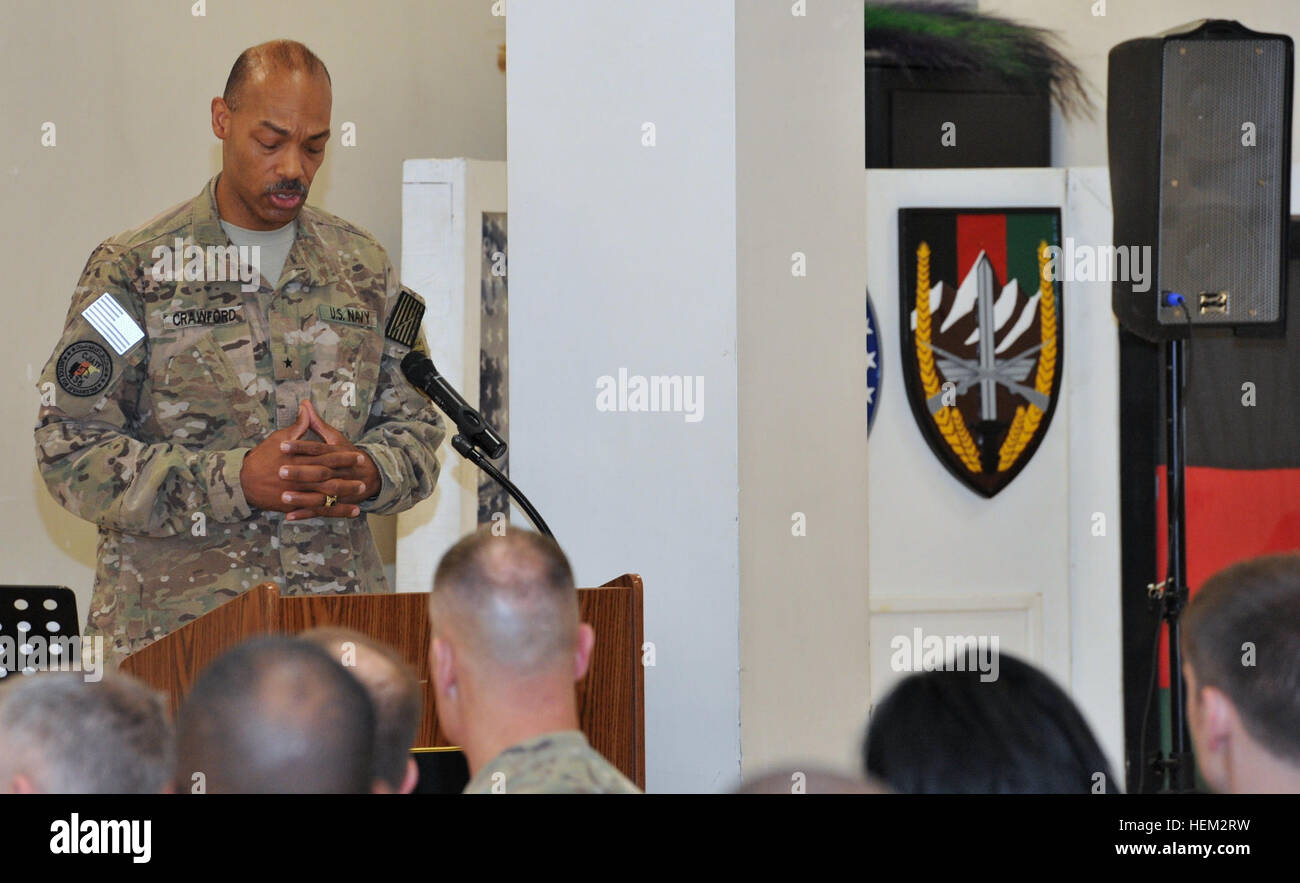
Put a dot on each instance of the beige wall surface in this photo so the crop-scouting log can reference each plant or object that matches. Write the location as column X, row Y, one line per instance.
column 803, row 363
column 128, row 86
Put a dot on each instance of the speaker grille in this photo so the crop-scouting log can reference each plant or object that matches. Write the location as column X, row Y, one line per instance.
column 1223, row 205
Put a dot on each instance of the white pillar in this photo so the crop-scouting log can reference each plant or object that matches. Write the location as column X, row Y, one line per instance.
column 665, row 159
column 800, row 138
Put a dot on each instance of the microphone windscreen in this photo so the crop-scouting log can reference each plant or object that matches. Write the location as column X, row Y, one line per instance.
column 418, row 369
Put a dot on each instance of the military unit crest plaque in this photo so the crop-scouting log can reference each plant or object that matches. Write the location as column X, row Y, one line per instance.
column 982, row 344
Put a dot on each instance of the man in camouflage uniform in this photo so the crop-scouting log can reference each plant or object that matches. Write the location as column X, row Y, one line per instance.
column 224, row 433
column 507, row 648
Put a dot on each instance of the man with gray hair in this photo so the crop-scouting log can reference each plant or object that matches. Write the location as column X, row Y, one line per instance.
column 60, row 734
column 507, row 648
column 394, row 692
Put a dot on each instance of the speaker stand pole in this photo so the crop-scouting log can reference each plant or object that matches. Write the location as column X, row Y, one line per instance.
column 1176, row 770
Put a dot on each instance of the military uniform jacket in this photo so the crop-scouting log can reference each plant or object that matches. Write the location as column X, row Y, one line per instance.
column 554, row 763
column 148, row 442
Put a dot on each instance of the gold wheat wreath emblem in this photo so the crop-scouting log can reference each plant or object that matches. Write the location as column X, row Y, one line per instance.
column 1025, row 423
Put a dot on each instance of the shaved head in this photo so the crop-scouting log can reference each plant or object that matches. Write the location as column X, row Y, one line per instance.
column 507, row 601
column 507, row 643
column 276, row 715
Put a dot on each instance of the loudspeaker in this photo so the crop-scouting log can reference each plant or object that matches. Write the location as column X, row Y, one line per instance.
column 1198, row 126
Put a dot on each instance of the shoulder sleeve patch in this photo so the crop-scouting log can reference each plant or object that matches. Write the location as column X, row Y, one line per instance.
column 404, row 321
column 113, row 323
column 84, row 369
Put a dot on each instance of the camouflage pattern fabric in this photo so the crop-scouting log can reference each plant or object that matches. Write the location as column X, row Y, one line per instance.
column 554, row 763
column 149, row 443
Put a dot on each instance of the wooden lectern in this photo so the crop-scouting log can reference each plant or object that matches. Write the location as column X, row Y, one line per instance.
column 611, row 698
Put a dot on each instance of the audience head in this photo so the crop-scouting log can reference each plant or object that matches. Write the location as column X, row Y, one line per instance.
column 954, row 732
column 63, row 735
column 809, row 779
column 1241, row 657
column 506, row 633
column 276, row 715
column 394, row 693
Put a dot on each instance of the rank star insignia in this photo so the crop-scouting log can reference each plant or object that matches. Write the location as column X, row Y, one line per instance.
column 288, row 362
column 981, row 336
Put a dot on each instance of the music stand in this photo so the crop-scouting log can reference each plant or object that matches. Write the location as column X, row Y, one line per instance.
column 36, row 625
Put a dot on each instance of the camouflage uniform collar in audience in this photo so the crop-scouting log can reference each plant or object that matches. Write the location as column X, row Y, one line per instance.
column 559, row 740
column 559, row 762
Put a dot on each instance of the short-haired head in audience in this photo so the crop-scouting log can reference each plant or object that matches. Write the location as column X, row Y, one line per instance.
column 809, row 779
column 508, row 645
column 505, row 617
column 60, row 734
column 955, row 732
column 394, row 692
column 276, row 715
column 1241, row 657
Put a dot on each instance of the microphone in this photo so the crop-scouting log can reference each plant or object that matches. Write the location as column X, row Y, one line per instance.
column 419, row 370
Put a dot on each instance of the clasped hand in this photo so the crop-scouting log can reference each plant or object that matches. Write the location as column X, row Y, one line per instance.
column 304, row 478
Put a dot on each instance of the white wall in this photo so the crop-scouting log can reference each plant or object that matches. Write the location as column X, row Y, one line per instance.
column 624, row 256
column 1086, row 39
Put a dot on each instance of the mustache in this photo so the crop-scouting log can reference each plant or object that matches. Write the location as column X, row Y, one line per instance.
column 287, row 187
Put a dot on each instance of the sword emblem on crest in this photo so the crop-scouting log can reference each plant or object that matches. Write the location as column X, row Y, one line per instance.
column 984, row 376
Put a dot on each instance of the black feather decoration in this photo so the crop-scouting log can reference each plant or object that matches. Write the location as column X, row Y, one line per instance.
column 952, row 39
